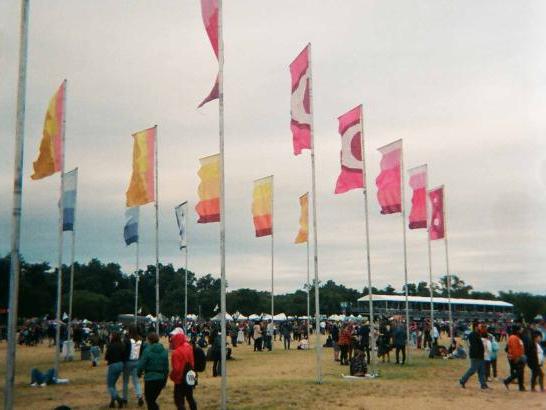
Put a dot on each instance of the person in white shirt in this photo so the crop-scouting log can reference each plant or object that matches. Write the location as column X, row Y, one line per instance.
column 487, row 350
column 133, row 344
column 537, row 374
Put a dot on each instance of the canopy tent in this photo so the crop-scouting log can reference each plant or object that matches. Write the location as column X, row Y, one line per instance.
column 191, row 317
column 218, row 317
column 241, row 317
column 281, row 317
column 254, row 317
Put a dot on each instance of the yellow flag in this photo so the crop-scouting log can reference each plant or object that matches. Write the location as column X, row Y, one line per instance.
column 303, row 234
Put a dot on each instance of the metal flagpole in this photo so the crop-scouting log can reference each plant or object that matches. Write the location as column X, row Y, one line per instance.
column 368, row 259
column 73, row 252
column 429, row 251
column 272, row 257
column 447, row 267
column 60, row 255
column 185, row 266
column 223, row 399
column 403, row 214
column 16, row 209
column 137, row 280
column 156, row 235
column 315, row 240
column 308, row 290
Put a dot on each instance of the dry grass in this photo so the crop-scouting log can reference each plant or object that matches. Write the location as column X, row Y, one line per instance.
column 283, row 380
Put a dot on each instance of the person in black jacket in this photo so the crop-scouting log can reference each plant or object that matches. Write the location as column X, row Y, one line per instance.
column 476, row 354
column 115, row 356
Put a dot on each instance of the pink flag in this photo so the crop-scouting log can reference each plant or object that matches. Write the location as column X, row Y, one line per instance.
column 437, row 222
column 300, row 103
column 209, row 11
column 388, row 183
column 418, row 183
column 350, row 128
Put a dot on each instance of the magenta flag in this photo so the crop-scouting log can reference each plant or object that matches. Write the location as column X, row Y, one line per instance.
column 300, row 103
column 437, row 221
column 209, row 11
column 350, row 128
column 388, row 183
column 418, row 183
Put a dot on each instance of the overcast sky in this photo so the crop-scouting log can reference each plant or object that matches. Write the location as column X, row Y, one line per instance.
column 463, row 83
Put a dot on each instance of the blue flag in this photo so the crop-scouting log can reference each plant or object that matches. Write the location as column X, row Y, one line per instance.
column 130, row 232
column 69, row 199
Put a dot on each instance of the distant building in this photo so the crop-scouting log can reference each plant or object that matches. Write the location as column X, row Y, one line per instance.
column 419, row 307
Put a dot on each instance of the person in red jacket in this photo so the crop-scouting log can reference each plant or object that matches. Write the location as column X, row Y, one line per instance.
column 181, row 361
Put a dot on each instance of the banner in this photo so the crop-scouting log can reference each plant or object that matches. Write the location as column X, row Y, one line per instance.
column 303, row 234
column 388, row 182
column 437, row 221
column 181, row 212
column 142, row 186
column 209, row 12
column 350, row 129
column 262, row 206
column 130, row 231
column 418, row 183
column 300, row 102
column 208, row 207
column 69, row 199
column 51, row 147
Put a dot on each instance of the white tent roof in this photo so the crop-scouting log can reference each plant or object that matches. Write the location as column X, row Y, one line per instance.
column 254, row 316
column 242, row 317
column 426, row 299
column 280, row 317
column 218, row 317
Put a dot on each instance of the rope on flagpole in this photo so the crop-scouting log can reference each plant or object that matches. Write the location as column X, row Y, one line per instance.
column 403, row 214
column 429, row 254
column 447, row 265
column 156, row 232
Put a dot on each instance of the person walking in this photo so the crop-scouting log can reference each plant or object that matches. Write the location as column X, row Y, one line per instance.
column 216, row 350
column 154, row 363
column 476, row 354
column 133, row 344
column 115, row 356
column 516, row 358
column 400, row 340
column 257, row 337
column 536, row 359
column 182, row 361
column 286, row 331
column 344, row 342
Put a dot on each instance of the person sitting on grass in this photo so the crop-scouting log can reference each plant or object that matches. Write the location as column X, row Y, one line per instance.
column 358, row 366
column 303, row 344
column 37, row 378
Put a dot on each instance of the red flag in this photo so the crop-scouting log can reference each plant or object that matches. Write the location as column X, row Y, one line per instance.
column 300, row 103
column 437, row 221
column 209, row 11
column 388, row 183
column 418, row 183
column 350, row 128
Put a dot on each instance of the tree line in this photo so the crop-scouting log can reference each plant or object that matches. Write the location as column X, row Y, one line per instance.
column 103, row 290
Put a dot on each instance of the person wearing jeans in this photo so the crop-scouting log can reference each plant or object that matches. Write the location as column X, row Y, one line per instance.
column 115, row 355
column 133, row 345
column 476, row 354
column 154, row 363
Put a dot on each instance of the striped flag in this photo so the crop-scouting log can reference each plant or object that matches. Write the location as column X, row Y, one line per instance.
column 51, row 147
column 142, row 186
column 418, row 183
column 303, row 234
column 181, row 212
column 388, row 183
column 208, row 207
column 69, row 199
column 300, row 102
column 262, row 206
column 350, row 128
column 209, row 12
column 130, row 231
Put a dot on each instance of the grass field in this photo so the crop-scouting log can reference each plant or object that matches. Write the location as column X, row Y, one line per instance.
column 283, row 380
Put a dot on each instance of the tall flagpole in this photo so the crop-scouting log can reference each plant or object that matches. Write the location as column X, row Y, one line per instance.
column 223, row 399
column 186, row 267
column 72, row 257
column 368, row 259
column 60, row 255
column 16, row 209
column 403, row 214
column 308, row 289
column 447, row 268
column 429, row 253
column 272, row 255
column 318, row 347
column 156, row 234
column 137, row 280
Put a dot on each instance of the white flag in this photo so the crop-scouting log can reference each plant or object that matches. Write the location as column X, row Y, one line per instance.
column 181, row 212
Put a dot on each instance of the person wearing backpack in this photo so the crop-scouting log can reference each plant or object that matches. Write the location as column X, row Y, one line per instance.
column 183, row 373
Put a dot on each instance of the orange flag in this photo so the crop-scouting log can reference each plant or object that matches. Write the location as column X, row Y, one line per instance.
column 51, row 148
column 208, row 207
column 262, row 206
column 303, row 234
column 142, row 186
